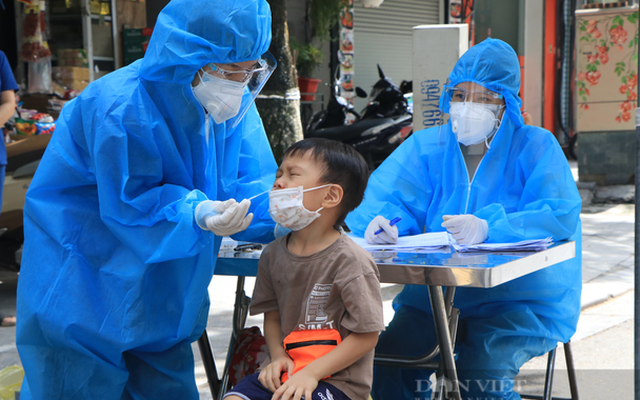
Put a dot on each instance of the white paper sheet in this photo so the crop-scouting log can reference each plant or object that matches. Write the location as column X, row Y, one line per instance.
column 525, row 245
column 422, row 241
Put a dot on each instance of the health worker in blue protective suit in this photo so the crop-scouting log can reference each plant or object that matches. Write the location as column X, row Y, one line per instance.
column 485, row 177
column 146, row 171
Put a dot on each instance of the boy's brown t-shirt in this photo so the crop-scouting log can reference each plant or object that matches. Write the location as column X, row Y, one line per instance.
column 336, row 288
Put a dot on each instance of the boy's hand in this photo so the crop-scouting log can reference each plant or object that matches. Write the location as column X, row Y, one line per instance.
column 298, row 385
column 270, row 375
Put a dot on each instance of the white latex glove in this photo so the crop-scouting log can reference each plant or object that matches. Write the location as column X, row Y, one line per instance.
column 389, row 234
column 224, row 218
column 466, row 228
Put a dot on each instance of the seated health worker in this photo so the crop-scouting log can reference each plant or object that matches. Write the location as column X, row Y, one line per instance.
column 485, row 177
column 146, row 171
column 319, row 291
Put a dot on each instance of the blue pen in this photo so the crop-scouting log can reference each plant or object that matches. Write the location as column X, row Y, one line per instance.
column 391, row 223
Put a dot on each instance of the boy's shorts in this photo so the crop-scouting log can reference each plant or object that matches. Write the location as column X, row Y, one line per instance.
column 250, row 388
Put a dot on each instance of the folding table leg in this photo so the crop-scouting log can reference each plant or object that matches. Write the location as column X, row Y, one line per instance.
column 548, row 381
column 571, row 371
column 240, row 311
column 441, row 320
column 219, row 386
column 209, row 364
column 548, row 376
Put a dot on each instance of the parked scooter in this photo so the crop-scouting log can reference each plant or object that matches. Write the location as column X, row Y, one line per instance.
column 376, row 131
column 23, row 157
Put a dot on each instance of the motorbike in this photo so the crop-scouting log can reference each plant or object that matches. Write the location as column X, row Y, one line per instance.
column 23, row 157
column 376, row 131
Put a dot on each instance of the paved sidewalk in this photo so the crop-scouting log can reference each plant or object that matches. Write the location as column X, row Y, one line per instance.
column 608, row 216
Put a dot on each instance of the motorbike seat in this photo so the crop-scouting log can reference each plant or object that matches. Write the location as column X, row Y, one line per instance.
column 345, row 133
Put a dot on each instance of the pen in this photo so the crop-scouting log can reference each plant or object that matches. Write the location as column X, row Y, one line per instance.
column 248, row 246
column 391, row 223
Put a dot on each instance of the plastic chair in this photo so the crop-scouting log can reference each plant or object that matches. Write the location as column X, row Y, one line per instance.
column 548, row 378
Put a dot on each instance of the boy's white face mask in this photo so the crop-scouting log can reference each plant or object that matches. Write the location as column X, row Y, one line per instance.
column 287, row 210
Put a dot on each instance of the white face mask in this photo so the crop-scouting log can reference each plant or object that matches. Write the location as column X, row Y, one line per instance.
column 287, row 210
column 472, row 122
column 221, row 97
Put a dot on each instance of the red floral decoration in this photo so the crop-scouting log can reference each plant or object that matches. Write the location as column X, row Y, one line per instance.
column 617, row 36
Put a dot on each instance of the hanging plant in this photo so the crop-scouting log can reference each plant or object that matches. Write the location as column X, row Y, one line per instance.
column 324, row 15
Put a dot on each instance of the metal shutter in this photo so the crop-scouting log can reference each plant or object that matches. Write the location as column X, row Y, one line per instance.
column 384, row 36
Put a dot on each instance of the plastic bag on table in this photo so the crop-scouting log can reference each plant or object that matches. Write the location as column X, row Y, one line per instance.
column 40, row 76
column 10, row 381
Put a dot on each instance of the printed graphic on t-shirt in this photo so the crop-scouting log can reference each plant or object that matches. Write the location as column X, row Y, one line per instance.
column 316, row 304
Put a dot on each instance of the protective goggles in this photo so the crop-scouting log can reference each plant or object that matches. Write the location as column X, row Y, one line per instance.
column 254, row 80
column 483, row 96
column 242, row 74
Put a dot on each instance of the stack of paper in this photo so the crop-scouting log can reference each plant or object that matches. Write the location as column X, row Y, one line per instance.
column 525, row 245
column 425, row 241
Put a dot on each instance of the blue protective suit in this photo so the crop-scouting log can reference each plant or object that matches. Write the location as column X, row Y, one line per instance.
column 113, row 286
column 524, row 189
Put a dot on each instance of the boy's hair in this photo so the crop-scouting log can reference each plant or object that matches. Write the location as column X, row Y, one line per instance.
column 343, row 166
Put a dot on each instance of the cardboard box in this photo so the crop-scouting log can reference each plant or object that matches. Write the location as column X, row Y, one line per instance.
column 74, row 84
column 72, row 58
column 72, row 53
column 73, row 62
column 71, row 73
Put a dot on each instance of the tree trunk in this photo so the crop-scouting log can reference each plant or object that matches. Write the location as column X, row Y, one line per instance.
column 279, row 101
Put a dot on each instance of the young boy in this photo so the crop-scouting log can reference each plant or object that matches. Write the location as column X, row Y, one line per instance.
column 319, row 291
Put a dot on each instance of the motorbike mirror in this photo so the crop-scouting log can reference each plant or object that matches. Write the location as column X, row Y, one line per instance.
column 380, row 73
column 360, row 92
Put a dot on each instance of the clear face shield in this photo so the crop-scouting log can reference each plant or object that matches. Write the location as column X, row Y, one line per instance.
column 224, row 86
column 475, row 114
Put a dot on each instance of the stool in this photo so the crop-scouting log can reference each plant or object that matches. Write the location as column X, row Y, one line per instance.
column 548, row 378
